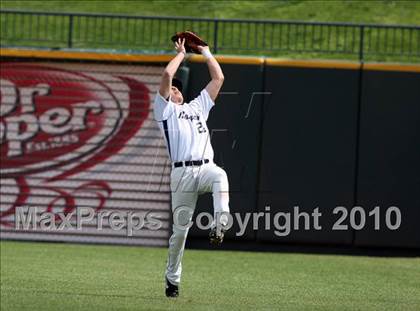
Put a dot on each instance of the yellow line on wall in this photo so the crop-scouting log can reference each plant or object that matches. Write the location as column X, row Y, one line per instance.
column 392, row 67
column 311, row 63
column 341, row 65
column 84, row 55
column 97, row 56
column 243, row 60
column 223, row 59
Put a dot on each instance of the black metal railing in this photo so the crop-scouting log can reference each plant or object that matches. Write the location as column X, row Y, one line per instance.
column 228, row 36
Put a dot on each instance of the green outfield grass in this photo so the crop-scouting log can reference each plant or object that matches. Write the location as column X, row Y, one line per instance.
column 43, row 276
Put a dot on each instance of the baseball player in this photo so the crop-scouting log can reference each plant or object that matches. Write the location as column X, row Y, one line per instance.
column 193, row 170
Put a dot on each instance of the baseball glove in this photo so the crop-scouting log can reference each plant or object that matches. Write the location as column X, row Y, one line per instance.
column 192, row 41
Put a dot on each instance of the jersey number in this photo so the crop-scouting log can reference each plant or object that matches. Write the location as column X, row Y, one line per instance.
column 201, row 128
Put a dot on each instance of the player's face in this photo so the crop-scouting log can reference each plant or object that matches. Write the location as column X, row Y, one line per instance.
column 176, row 96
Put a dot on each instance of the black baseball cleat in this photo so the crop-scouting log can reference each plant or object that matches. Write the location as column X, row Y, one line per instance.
column 171, row 290
column 216, row 236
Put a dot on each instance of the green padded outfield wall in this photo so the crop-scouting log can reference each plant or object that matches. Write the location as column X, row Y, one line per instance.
column 317, row 135
column 308, row 149
column 289, row 133
column 389, row 156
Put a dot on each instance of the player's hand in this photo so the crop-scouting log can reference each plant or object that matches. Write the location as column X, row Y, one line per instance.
column 179, row 46
column 201, row 48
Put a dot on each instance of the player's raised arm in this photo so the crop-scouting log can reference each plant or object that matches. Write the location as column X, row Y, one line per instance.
column 171, row 68
column 216, row 73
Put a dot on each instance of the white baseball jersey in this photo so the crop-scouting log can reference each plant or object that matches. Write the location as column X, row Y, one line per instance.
column 184, row 126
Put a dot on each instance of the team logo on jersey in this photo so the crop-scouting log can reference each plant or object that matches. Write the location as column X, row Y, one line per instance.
column 186, row 116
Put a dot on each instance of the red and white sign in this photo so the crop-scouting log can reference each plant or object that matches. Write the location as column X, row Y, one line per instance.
column 81, row 135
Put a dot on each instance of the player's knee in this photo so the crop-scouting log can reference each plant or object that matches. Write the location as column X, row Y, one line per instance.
column 179, row 232
column 224, row 180
column 220, row 182
column 221, row 176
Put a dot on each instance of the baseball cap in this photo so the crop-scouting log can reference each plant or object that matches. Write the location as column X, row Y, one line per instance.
column 177, row 83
